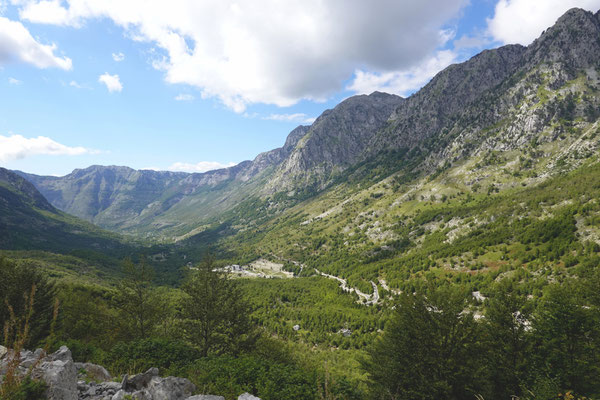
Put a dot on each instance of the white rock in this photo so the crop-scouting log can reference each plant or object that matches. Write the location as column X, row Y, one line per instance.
column 247, row 396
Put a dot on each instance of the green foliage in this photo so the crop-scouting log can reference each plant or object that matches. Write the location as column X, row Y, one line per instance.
column 137, row 300
column 215, row 315
column 429, row 350
column 568, row 336
column 15, row 285
column 433, row 348
column 318, row 306
column 230, row 376
column 140, row 355
column 28, row 389
column 507, row 339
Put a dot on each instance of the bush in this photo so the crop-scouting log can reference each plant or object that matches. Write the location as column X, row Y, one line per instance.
column 16, row 282
column 229, row 377
column 28, row 389
column 140, row 355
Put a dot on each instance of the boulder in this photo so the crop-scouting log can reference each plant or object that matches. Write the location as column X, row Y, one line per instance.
column 3, row 351
column 247, row 396
column 93, row 371
column 58, row 371
column 139, row 381
column 170, row 388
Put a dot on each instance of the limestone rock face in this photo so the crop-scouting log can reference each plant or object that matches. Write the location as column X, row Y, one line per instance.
column 59, row 373
column 57, row 370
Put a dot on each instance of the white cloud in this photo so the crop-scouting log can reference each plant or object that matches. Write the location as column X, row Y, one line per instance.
column 522, row 21
column 17, row 44
column 268, row 51
column 184, row 97
column 14, row 81
column 16, row 147
column 112, row 82
column 201, row 166
column 402, row 82
column 297, row 117
column 118, row 57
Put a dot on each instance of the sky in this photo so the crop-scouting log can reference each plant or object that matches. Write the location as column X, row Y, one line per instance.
column 195, row 85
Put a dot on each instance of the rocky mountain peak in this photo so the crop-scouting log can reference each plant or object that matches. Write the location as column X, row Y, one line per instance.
column 336, row 139
column 574, row 40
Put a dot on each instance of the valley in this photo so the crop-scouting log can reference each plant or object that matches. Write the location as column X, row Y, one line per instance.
column 455, row 231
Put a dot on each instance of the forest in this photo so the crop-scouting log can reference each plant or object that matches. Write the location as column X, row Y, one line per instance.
column 438, row 342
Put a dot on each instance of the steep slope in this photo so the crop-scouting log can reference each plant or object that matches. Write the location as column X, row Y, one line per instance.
column 334, row 142
column 506, row 175
column 507, row 117
column 452, row 116
column 28, row 221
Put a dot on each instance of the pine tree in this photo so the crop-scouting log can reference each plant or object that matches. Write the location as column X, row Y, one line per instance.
column 217, row 318
column 137, row 300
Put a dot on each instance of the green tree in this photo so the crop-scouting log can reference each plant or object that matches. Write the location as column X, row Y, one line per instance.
column 567, row 335
column 137, row 300
column 215, row 314
column 16, row 282
column 428, row 350
column 86, row 316
column 507, row 320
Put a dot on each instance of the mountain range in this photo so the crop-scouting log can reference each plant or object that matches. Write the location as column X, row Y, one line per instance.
column 508, row 120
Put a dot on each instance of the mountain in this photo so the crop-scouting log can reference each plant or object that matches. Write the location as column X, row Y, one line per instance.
column 29, row 222
column 142, row 202
column 508, row 118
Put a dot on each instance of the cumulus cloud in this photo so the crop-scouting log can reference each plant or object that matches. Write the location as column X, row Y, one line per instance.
column 14, row 81
column 297, row 117
column 184, row 97
column 17, row 44
column 268, row 51
column 112, row 82
column 118, row 57
column 522, row 21
column 402, row 82
column 15, row 147
column 201, row 166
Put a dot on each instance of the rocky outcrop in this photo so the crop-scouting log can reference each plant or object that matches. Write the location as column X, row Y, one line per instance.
column 335, row 141
column 57, row 370
column 92, row 371
column 67, row 380
column 247, row 396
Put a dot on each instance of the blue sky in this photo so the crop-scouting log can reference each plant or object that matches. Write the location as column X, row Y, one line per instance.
column 196, row 85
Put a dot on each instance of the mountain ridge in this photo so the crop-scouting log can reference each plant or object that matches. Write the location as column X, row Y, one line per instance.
column 532, row 99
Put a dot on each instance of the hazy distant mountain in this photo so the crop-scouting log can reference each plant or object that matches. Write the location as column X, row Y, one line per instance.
column 28, row 221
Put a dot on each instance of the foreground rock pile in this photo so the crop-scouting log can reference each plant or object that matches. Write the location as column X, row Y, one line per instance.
column 68, row 380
